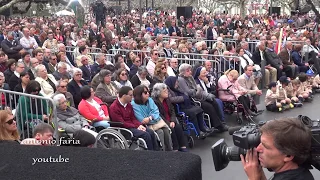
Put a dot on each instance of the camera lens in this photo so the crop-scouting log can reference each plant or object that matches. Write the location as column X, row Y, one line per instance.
column 233, row 153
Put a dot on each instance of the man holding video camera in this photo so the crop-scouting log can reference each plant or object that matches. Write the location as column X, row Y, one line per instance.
column 285, row 146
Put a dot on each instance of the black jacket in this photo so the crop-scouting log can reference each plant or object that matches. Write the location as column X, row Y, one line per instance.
column 135, row 81
column 86, row 73
column 11, row 49
column 74, row 89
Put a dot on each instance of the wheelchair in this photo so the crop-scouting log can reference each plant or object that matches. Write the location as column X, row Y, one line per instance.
column 231, row 107
column 111, row 138
column 187, row 126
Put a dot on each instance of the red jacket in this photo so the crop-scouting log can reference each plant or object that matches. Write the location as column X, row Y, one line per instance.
column 124, row 115
column 90, row 112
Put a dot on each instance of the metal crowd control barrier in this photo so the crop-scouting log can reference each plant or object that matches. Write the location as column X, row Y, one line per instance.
column 28, row 110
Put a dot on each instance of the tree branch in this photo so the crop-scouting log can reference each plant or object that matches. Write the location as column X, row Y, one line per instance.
column 314, row 9
column 26, row 10
column 10, row 4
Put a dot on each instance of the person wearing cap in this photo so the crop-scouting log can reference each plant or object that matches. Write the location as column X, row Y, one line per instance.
column 286, row 94
column 271, row 99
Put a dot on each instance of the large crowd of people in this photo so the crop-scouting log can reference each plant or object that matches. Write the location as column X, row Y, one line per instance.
column 54, row 58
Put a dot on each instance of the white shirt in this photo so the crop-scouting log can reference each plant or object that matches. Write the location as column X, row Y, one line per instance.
column 170, row 71
column 26, row 42
column 98, row 107
column 245, row 60
column 150, row 67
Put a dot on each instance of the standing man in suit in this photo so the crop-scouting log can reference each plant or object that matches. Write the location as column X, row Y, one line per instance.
column 257, row 57
column 289, row 67
column 93, row 33
column 86, row 69
column 211, row 32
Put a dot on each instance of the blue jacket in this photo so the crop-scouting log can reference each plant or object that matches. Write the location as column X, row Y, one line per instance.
column 146, row 110
column 297, row 58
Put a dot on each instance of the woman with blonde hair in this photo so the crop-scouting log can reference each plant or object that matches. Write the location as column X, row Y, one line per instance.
column 236, row 92
column 160, row 72
column 8, row 126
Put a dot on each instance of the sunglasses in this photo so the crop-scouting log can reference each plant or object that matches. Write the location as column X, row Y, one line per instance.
column 63, row 86
column 11, row 121
column 123, row 74
column 146, row 92
column 57, row 29
column 163, row 68
column 156, row 54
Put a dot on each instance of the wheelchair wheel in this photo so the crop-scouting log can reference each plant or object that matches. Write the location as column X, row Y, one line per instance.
column 111, row 139
column 190, row 142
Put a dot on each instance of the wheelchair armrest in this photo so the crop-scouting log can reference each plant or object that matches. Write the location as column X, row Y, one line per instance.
column 181, row 114
column 225, row 90
column 115, row 124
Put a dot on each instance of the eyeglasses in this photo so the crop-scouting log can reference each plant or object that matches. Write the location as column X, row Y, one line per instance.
column 63, row 86
column 146, row 92
column 156, row 54
column 57, row 29
column 78, row 75
column 123, row 74
column 11, row 121
column 174, row 62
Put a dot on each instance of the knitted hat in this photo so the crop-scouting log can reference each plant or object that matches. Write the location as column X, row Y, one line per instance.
column 84, row 138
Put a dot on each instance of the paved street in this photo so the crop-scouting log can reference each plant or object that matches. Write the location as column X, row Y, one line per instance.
column 235, row 170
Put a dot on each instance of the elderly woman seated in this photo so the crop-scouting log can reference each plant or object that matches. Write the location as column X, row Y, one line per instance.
column 68, row 117
column 229, row 81
column 107, row 90
column 160, row 95
column 209, row 105
column 47, row 81
column 147, row 112
column 141, row 78
column 93, row 109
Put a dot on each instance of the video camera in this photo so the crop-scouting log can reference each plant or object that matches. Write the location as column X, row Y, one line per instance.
column 248, row 137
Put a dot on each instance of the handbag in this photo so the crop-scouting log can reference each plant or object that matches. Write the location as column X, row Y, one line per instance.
column 160, row 124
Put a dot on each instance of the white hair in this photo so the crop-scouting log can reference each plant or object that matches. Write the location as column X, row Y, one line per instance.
column 37, row 68
column 76, row 70
column 183, row 67
column 57, row 98
column 61, row 64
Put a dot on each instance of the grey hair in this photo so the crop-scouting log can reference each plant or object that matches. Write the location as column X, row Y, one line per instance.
column 61, row 64
column 10, row 33
column 183, row 67
column 76, row 70
column 60, row 45
column 59, row 82
column 37, row 68
column 99, row 55
column 142, row 69
column 57, row 98
column 157, row 88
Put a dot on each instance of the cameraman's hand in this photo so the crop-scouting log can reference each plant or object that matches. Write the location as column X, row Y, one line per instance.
column 251, row 165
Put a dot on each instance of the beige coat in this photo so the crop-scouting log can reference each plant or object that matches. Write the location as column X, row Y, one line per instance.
column 46, row 88
column 316, row 81
column 281, row 92
column 248, row 84
column 271, row 97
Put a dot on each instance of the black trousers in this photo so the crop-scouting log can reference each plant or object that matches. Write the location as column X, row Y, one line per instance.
column 245, row 101
column 212, row 109
column 178, row 137
column 148, row 136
